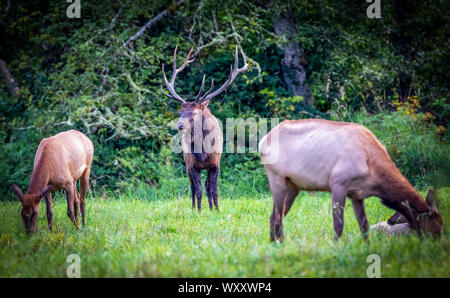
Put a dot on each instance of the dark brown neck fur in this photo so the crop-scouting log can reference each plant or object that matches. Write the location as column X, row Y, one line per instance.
column 397, row 193
column 202, row 156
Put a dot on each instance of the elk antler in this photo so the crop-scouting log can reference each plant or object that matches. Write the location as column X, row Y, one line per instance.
column 200, row 94
column 234, row 71
column 170, row 85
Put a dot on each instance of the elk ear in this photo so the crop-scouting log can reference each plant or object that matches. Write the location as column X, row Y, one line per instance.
column 17, row 191
column 204, row 104
column 431, row 200
column 43, row 193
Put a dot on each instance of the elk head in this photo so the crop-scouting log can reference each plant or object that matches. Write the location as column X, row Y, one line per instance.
column 194, row 111
column 431, row 222
column 30, row 207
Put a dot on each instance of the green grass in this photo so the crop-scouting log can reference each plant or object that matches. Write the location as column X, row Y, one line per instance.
column 143, row 234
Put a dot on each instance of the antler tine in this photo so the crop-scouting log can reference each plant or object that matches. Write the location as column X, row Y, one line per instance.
column 244, row 68
column 171, row 85
column 174, row 72
column 172, row 92
column 233, row 74
column 207, row 92
column 178, row 70
column 164, row 92
column 202, row 87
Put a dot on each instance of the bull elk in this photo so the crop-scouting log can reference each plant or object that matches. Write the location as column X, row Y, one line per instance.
column 345, row 159
column 60, row 161
column 202, row 137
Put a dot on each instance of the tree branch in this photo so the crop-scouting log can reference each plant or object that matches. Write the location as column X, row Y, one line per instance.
column 153, row 21
column 116, row 55
column 111, row 25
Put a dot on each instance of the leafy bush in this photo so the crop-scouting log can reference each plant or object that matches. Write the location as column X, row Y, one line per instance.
column 76, row 74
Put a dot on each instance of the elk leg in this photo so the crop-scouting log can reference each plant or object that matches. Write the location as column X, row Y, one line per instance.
column 360, row 212
column 284, row 194
column 70, row 197
column 196, row 177
column 214, row 172
column 48, row 203
column 84, row 184
column 192, row 189
column 339, row 194
column 208, row 190
column 76, row 203
column 397, row 218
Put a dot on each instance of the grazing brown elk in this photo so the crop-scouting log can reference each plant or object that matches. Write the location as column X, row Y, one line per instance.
column 60, row 162
column 345, row 159
column 202, row 137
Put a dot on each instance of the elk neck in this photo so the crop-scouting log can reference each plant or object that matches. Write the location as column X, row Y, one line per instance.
column 39, row 177
column 206, row 116
column 396, row 192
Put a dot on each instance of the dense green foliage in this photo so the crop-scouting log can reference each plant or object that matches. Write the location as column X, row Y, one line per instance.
column 389, row 74
column 75, row 73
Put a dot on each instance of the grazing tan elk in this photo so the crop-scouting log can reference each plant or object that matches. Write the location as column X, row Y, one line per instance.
column 345, row 159
column 202, row 137
column 60, row 162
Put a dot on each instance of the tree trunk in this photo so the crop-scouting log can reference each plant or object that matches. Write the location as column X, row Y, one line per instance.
column 403, row 11
column 294, row 73
column 9, row 79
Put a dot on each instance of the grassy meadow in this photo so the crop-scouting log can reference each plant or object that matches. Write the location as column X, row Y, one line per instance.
column 154, row 233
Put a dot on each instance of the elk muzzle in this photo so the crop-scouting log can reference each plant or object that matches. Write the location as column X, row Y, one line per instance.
column 29, row 221
column 181, row 124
